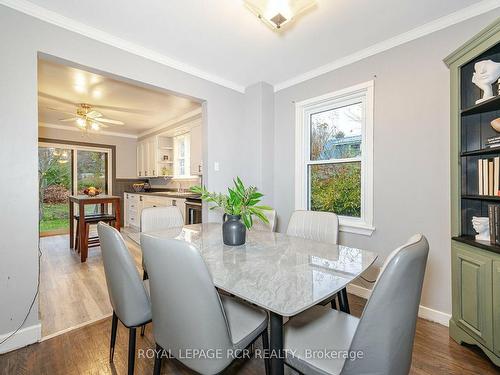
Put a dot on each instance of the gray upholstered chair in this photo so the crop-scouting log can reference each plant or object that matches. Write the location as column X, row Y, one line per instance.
column 383, row 335
column 260, row 225
column 159, row 218
column 128, row 294
column 189, row 313
column 323, row 227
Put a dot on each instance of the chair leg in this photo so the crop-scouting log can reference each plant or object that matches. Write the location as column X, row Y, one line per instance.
column 333, row 303
column 131, row 351
column 114, row 326
column 344, row 301
column 158, row 358
column 265, row 345
column 143, row 328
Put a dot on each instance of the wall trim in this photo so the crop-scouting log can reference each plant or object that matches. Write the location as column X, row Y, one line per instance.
column 189, row 116
column 23, row 337
column 70, row 24
column 81, row 325
column 423, row 312
column 75, row 129
column 418, row 32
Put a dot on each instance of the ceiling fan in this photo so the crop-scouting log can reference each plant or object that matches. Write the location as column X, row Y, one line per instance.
column 87, row 118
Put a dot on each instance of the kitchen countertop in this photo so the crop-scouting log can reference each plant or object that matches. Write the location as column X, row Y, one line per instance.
column 168, row 194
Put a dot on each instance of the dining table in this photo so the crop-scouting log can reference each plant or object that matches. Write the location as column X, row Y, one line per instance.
column 82, row 200
column 282, row 274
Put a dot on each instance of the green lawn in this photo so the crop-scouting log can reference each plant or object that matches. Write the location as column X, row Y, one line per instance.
column 55, row 217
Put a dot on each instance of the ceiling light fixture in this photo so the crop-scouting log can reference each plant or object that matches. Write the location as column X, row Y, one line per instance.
column 277, row 13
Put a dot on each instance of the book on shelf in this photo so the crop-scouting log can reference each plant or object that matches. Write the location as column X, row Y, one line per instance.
column 494, row 222
column 489, row 176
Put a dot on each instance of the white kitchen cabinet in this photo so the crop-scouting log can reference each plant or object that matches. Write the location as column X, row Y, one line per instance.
column 132, row 210
column 135, row 203
column 140, row 159
column 151, row 153
column 195, row 149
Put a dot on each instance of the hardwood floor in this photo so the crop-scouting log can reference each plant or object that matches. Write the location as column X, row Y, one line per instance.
column 72, row 293
column 85, row 351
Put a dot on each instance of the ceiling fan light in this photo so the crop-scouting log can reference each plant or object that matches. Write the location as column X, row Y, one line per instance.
column 277, row 13
column 95, row 126
column 80, row 122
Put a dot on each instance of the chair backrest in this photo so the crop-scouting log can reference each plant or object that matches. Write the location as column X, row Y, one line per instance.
column 260, row 225
column 126, row 290
column 314, row 225
column 386, row 329
column 187, row 310
column 158, row 218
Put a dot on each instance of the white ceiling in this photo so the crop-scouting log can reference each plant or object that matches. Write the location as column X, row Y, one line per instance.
column 141, row 109
column 224, row 40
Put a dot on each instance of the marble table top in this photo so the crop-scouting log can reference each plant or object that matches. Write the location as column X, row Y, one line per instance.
column 277, row 272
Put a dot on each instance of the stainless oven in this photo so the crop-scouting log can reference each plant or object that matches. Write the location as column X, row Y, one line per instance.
column 193, row 211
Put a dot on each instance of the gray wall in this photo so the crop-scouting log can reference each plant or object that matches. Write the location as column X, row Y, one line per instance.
column 126, row 152
column 259, row 119
column 411, row 147
column 21, row 38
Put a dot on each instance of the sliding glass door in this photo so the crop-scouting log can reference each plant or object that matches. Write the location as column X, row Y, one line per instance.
column 65, row 170
column 55, row 185
column 91, row 170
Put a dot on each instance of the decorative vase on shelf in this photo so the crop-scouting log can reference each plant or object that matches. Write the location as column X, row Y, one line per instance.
column 233, row 230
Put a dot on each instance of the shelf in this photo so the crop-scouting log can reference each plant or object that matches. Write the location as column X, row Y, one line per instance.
column 492, row 104
column 470, row 240
column 166, row 148
column 491, row 198
column 484, row 151
column 166, row 162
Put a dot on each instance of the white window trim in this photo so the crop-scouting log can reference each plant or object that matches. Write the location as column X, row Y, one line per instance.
column 186, row 138
column 363, row 225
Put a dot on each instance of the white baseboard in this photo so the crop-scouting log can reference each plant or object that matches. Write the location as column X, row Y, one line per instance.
column 66, row 330
column 22, row 338
column 423, row 312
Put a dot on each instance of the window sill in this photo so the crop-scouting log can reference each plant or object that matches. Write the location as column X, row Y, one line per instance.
column 356, row 227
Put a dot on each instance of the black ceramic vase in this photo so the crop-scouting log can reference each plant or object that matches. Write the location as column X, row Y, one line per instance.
column 233, row 230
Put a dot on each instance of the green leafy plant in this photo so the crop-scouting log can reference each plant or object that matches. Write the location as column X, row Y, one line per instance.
column 240, row 200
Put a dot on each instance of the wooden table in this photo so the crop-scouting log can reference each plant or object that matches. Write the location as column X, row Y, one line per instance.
column 282, row 274
column 82, row 201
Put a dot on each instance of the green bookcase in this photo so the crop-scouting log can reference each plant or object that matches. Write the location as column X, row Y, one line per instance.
column 475, row 265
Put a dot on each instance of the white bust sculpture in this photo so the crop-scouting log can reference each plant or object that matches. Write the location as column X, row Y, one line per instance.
column 482, row 226
column 486, row 73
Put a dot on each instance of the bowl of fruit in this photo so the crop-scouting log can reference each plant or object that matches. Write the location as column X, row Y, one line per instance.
column 92, row 191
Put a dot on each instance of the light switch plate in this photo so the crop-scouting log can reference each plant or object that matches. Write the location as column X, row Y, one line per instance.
column 216, row 166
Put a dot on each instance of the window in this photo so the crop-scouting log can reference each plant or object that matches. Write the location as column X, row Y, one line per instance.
column 334, row 147
column 181, row 158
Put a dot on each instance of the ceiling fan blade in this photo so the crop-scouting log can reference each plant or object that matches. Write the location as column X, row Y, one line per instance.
column 61, row 111
column 113, row 122
column 94, row 114
column 69, row 119
column 101, row 125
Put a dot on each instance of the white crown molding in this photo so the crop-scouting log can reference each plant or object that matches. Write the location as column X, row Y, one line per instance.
column 185, row 117
column 112, row 40
column 418, row 32
column 75, row 129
